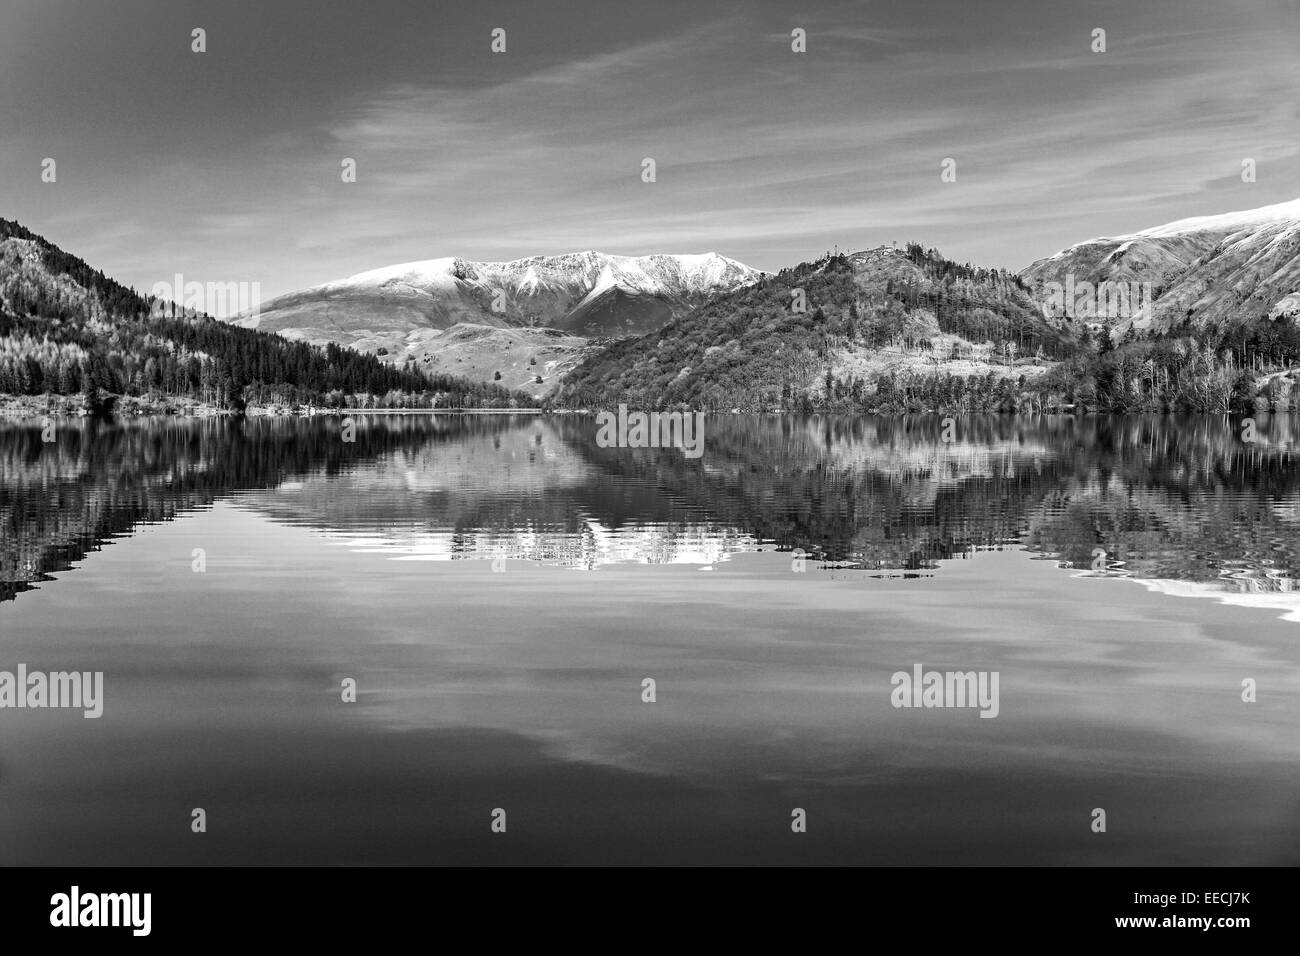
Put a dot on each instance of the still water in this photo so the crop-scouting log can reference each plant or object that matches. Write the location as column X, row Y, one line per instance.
column 500, row 588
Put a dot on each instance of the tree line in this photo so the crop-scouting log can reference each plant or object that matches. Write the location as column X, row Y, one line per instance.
column 95, row 333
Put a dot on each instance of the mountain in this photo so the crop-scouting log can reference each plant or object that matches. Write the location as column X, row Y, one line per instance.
column 1211, row 270
column 67, row 329
column 405, row 311
column 585, row 293
column 878, row 328
column 589, row 294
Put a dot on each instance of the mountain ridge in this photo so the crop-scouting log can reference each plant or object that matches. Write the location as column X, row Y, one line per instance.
column 840, row 332
column 1206, row 270
column 552, row 291
column 496, row 321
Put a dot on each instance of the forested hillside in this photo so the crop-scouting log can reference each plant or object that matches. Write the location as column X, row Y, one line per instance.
column 892, row 330
column 66, row 328
column 808, row 337
column 883, row 330
column 1251, row 364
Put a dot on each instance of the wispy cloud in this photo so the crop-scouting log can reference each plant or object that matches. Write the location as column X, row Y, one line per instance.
column 762, row 153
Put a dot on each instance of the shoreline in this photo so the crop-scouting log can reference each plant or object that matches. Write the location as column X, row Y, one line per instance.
column 37, row 407
column 23, row 407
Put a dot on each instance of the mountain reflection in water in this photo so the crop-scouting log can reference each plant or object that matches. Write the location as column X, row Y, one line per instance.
column 1159, row 499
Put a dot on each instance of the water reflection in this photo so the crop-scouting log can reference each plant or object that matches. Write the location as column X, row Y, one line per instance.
column 1158, row 499
column 523, row 690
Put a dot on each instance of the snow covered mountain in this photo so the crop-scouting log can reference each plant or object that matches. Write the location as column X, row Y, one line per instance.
column 513, row 322
column 1210, row 269
column 586, row 293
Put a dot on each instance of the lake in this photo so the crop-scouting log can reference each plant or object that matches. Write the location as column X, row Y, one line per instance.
column 500, row 590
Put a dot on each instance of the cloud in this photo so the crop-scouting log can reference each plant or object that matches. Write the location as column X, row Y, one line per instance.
column 762, row 154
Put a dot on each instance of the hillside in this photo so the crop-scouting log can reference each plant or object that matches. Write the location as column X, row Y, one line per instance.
column 67, row 329
column 1208, row 271
column 510, row 357
column 883, row 328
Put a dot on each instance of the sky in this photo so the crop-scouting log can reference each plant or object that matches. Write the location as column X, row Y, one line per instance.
column 226, row 166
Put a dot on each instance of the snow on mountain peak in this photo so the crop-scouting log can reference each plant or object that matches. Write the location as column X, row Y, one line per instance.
column 1208, row 269
column 588, row 293
column 421, row 272
column 651, row 275
column 1227, row 222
